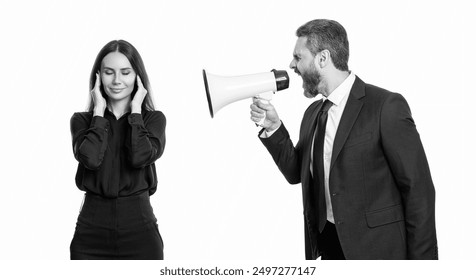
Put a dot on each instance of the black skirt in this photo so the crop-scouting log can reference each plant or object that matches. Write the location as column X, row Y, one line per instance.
column 121, row 228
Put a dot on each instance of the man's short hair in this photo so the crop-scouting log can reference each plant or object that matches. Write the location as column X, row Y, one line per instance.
column 324, row 34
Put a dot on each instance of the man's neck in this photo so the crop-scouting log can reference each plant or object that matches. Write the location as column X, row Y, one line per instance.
column 334, row 80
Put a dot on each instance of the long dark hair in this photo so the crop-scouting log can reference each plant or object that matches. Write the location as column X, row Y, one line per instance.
column 137, row 64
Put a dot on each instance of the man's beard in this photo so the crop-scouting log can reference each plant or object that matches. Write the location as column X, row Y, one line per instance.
column 311, row 80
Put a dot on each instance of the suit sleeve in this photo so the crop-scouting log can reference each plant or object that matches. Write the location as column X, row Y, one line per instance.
column 406, row 156
column 147, row 139
column 284, row 154
column 89, row 139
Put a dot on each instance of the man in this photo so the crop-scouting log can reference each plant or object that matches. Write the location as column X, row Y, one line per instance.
column 367, row 188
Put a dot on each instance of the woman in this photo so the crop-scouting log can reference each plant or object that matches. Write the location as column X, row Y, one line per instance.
column 116, row 144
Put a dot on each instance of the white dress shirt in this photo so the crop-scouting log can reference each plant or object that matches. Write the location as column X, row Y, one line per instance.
column 339, row 99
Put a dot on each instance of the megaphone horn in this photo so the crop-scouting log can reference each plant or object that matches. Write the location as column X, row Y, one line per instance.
column 222, row 90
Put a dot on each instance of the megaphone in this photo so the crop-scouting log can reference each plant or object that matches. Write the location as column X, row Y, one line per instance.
column 222, row 90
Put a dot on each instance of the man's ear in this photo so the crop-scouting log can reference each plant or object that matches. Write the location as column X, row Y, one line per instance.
column 323, row 58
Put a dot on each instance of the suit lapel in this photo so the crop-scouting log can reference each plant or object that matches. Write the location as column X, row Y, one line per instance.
column 351, row 112
column 312, row 121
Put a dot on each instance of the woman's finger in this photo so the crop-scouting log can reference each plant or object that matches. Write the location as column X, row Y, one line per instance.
column 139, row 82
column 140, row 85
column 98, row 81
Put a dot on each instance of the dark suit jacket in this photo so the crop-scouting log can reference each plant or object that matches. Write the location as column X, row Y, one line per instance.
column 382, row 193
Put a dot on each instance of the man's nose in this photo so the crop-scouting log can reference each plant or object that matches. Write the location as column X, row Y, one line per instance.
column 292, row 65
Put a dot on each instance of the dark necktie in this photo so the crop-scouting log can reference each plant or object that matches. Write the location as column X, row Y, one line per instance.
column 318, row 164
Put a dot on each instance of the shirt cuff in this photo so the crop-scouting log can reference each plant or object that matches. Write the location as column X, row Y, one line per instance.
column 135, row 119
column 267, row 134
column 100, row 122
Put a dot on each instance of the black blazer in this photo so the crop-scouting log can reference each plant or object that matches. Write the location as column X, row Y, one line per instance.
column 382, row 193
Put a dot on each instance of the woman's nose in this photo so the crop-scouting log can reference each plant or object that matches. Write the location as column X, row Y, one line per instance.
column 116, row 79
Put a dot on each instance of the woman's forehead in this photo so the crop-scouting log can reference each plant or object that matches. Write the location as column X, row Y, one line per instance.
column 116, row 60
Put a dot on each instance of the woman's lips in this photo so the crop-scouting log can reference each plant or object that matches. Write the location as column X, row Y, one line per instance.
column 116, row 90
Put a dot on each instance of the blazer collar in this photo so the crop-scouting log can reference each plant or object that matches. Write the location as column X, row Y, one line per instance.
column 358, row 89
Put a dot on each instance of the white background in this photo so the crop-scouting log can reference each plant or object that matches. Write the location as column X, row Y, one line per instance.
column 220, row 195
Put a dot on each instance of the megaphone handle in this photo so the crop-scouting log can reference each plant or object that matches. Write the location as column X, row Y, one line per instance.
column 260, row 122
